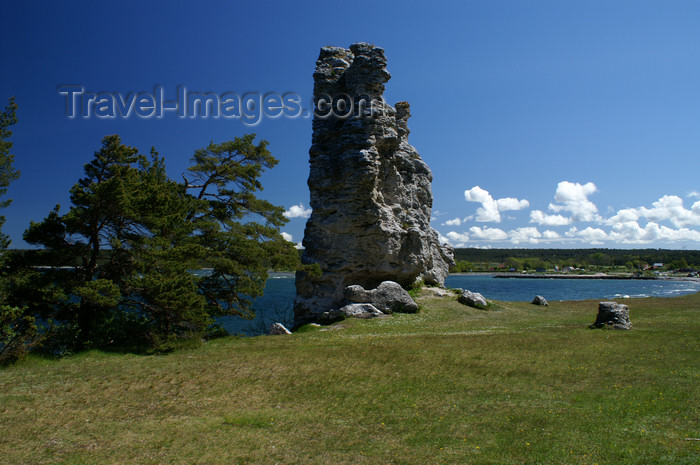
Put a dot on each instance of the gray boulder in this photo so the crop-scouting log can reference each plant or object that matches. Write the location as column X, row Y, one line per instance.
column 388, row 297
column 278, row 329
column 612, row 315
column 473, row 299
column 539, row 300
column 369, row 189
column 364, row 311
column 352, row 310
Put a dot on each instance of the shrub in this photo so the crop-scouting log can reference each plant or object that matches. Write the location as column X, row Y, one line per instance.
column 18, row 333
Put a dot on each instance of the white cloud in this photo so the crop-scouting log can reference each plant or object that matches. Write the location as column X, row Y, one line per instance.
column 297, row 211
column 593, row 235
column 487, row 234
column 668, row 208
column 288, row 237
column 543, row 219
column 488, row 212
column 490, row 209
column 573, row 197
column 630, row 232
column 526, row 234
column 623, row 216
column 456, row 238
column 510, row 203
column 477, row 194
column 529, row 234
column 667, row 220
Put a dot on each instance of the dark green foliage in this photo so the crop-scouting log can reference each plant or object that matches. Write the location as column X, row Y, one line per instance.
column 17, row 329
column 462, row 266
column 104, row 216
column 18, row 334
column 7, row 172
column 117, row 269
column 548, row 258
column 224, row 179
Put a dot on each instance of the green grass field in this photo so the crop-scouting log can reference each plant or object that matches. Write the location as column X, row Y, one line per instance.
column 450, row 385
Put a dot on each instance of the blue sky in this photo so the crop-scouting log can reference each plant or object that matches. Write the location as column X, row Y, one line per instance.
column 545, row 123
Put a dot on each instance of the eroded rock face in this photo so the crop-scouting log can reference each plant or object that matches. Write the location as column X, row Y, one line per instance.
column 389, row 297
column 278, row 329
column 370, row 190
column 612, row 315
column 363, row 311
column 473, row 299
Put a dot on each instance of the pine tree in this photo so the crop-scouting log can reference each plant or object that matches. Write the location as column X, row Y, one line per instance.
column 224, row 179
column 122, row 258
column 7, row 171
column 17, row 329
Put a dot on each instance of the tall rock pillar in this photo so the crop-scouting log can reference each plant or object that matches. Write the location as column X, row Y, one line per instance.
column 370, row 190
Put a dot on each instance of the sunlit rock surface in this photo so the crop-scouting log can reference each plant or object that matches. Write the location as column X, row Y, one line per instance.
column 370, row 190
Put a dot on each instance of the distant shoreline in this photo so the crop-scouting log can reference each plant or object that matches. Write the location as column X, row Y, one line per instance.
column 288, row 274
column 592, row 276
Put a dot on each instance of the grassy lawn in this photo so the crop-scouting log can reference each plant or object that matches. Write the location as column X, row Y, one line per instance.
column 515, row 384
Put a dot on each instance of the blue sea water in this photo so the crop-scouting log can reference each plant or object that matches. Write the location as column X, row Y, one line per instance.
column 276, row 305
column 519, row 289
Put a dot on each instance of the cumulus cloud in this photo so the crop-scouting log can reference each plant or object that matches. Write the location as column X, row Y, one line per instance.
column 670, row 207
column 543, row 219
column 288, row 237
column 457, row 239
column 510, row 203
column 297, row 211
column 623, row 216
column 667, row 208
column 667, row 220
column 529, row 234
column 490, row 210
column 593, row 235
column 487, row 234
column 630, row 232
column 573, row 197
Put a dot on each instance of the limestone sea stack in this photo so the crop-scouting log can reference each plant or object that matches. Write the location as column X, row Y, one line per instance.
column 370, row 190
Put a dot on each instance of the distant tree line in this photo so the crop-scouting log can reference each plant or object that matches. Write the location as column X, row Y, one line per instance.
column 527, row 259
column 116, row 268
